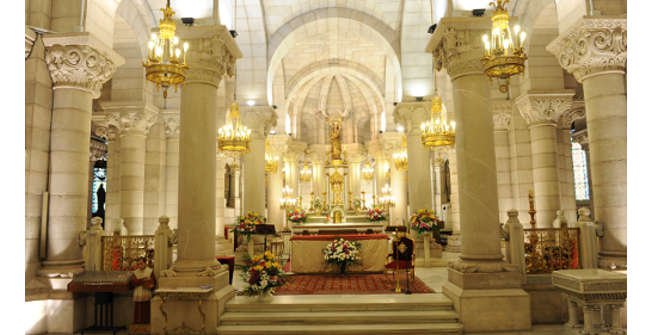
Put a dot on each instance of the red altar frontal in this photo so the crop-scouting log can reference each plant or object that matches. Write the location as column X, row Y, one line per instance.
column 307, row 252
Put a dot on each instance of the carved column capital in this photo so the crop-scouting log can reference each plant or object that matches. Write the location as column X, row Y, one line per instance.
column 212, row 54
column 544, row 108
column 592, row 45
column 79, row 61
column 412, row 114
column 576, row 112
column 172, row 122
column 318, row 153
column 355, row 153
column 130, row 117
column 501, row 114
column 97, row 150
column 390, row 142
column 456, row 45
column 259, row 118
column 296, row 150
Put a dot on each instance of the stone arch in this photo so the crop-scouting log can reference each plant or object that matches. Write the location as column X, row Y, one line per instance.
column 286, row 36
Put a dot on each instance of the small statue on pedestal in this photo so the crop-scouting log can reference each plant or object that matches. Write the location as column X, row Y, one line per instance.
column 143, row 281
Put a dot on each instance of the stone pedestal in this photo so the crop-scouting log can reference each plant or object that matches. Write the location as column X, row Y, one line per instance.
column 599, row 292
column 601, row 68
column 480, row 280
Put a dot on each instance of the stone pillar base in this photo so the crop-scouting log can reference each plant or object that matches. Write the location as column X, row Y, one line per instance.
column 499, row 305
column 453, row 243
column 190, row 304
column 57, row 312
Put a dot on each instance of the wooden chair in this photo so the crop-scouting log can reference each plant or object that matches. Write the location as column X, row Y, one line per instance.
column 402, row 259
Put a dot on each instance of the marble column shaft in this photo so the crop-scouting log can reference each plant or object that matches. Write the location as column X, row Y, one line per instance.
column 76, row 81
column 413, row 113
column 542, row 112
column 113, row 180
column 209, row 61
column 501, row 122
column 220, row 200
column 132, row 180
column 601, row 68
column 172, row 169
column 260, row 120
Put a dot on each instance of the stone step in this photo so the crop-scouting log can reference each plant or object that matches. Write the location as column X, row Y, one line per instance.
column 339, row 329
column 371, row 302
column 339, row 317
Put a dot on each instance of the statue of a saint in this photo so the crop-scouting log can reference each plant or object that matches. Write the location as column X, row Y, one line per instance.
column 335, row 139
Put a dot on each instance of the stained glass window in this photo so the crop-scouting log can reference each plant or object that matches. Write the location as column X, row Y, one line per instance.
column 580, row 172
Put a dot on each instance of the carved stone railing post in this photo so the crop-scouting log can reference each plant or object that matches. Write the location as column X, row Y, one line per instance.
column 516, row 243
column 164, row 237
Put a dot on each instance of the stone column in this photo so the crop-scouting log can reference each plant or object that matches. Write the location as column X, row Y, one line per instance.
column 501, row 122
column 154, row 174
column 113, row 180
column 318, row 155
column 390, row 142
column 412, row 114
column 595, row 52
column 211, row 56
column 78, row 65
column 172, row 166
column 220, row 201
column 582, row 138
column 260, row 119
column 355, row 155
column 542, row 112
column 565, row 158
column 134, row 123
column 275, row 182
column 480, row 279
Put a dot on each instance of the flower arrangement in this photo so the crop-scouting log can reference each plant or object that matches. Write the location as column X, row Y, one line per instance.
column 296, row 215
column 246, row 224
column 424, row 221
column 376, row 214
column 262, row 273
column 342, row 253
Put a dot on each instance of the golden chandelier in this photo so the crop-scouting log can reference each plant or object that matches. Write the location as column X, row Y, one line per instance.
column 503, row 52
column 306, row 173
column 367, row 172
column 233, row 137
column 437, row 131
column 271, row 162
column 400, row 157
column 166, row 59
column 287, row 201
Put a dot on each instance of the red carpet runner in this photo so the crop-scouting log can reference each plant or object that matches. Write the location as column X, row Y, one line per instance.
column 349, row 284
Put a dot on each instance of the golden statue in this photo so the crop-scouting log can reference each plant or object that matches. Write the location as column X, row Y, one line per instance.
column 335, row 140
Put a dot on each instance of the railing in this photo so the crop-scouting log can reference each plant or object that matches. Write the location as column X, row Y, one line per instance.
column 550, row 249
column 120, row 253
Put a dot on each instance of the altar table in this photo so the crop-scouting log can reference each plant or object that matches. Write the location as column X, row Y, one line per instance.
column 307, row 253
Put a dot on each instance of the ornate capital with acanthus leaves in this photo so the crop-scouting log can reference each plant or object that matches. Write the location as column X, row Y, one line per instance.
column 544, row 108
column 456, row 45
column 172, row 122
column 260, row 119
column 212, row 54
column 593, row 45
column 80, row 61
column 575, row 113
column 132, row 118
column 412, row 114
column 501, row 114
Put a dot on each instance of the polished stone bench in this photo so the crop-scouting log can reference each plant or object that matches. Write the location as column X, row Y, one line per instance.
column 598, row 291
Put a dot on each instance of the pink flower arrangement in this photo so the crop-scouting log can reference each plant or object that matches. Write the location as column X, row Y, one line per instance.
column 376, row 214
column 296, row 215
column 424, row 221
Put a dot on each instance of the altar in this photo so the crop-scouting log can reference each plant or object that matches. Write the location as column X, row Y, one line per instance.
column 307, row 252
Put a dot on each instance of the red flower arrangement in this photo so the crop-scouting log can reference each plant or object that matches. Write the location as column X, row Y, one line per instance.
column 296, row 215
column 424, row 221
column 376, row 215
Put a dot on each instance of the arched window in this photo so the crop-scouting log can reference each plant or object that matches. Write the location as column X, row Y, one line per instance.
column 99, row 188
column 580, row 173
